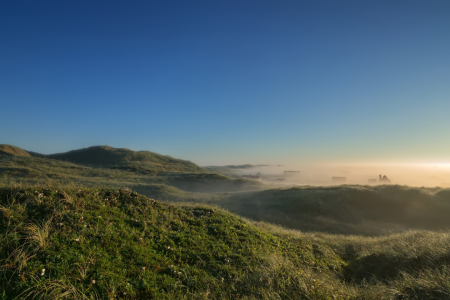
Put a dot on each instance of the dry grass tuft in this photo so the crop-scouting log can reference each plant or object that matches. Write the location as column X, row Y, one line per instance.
column 39, row 232
column 56, row 289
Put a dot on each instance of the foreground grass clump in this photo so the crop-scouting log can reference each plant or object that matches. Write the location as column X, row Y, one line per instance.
column 91, row 243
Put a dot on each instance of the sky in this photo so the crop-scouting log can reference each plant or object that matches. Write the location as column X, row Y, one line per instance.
column 230, row 82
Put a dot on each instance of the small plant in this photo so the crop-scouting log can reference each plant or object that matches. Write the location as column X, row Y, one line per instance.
column 38, row 232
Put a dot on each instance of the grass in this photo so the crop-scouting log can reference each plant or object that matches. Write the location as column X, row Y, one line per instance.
column 115, row 243
column 366, row 210
column 97, row 243
column 72, row 231
column 131, row 174
column 12, row 150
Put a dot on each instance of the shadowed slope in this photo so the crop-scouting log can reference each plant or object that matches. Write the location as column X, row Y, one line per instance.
column 344, row 209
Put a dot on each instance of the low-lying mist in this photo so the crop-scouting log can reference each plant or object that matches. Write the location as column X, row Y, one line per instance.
column 344, row 209
column 325, row 175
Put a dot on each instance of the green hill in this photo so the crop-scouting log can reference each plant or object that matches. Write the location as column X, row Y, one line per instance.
column 369, row 210
column 93, row 167
column 12, row 150
column 139, row 161
column 104, row 244
column 72, row 243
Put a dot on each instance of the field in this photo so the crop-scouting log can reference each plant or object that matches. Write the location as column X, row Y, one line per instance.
column 74, row 231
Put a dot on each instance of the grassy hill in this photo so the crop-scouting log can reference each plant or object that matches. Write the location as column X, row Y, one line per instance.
column 368, row 210
column 85, row 243
column 77, row 227
column 139, row 161
column 12, row 150
column 109, row 167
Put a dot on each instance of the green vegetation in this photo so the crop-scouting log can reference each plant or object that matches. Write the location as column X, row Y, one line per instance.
column 100, row 243
column 90, row 243
column 367, row 210
column 77, row 226
column 118, row 158
column 110, row 167
column 12, row 150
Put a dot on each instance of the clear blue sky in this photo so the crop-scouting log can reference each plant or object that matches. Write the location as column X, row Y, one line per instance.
column 220, row 82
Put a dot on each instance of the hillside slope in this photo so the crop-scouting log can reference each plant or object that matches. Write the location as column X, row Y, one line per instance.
column 103, row 244
column 75, row 243
column 110, row 167
column 141, row 161
column 12, row 150
column 346, row 209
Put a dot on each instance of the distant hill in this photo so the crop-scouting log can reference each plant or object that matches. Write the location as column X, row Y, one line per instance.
column 13, row 150
column 111, row 167
column 143, row 161
column 345, row 209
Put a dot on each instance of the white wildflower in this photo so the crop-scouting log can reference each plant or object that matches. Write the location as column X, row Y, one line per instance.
column 43, row 272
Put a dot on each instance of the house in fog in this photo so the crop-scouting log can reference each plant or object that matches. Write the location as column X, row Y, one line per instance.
column 338, row 179
column 383, row 179
column 253, row 177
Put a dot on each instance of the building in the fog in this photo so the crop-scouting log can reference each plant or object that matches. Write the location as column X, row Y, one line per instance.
column 383, row 179
column 338, row 179
column 253, row 177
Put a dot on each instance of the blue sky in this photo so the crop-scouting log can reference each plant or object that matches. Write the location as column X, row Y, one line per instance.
column 222, row 82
